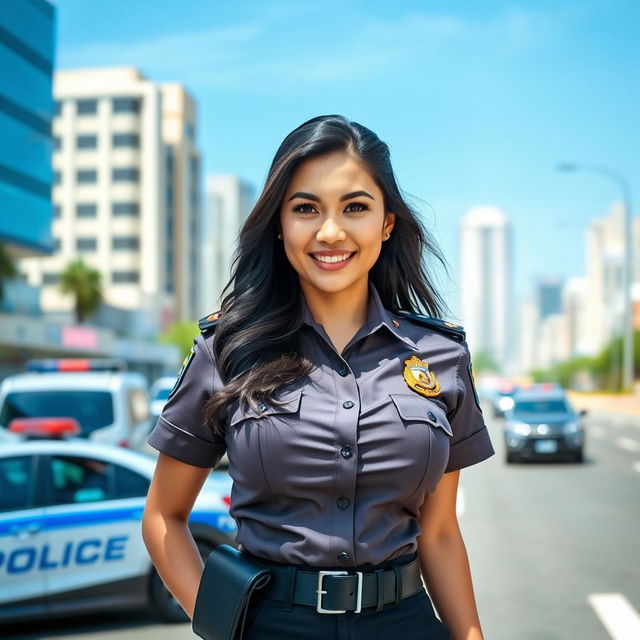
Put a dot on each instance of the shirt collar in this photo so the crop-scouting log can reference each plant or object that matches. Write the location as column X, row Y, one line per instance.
column 377, row 316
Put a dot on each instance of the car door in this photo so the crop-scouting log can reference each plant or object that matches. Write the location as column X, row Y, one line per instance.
column 97, row 534
column 23, row 552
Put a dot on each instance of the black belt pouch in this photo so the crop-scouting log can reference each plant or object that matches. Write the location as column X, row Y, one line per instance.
column 228, row 581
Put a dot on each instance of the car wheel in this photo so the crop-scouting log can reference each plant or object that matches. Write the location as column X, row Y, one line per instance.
column 579, row 457
column 511, row 457
column 163, row 601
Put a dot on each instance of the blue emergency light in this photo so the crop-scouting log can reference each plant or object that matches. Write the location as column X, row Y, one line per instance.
column 76, row 364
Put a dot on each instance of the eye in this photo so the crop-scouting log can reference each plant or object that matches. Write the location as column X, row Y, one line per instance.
column 299, row 207
column 363, row 205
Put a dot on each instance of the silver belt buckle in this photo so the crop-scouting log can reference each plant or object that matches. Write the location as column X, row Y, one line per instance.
column 321, row 592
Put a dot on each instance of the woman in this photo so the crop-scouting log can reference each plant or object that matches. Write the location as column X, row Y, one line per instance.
column 346, row 414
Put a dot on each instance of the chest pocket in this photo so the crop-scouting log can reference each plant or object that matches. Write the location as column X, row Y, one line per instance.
column 412, row 407
column 287, row 402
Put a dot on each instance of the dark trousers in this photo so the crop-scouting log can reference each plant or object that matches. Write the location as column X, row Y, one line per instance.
column 412, row 619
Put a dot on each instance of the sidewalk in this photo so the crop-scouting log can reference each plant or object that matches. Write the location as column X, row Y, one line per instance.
column 625, row 404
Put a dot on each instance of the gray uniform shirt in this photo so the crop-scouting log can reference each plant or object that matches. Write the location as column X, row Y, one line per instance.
column 336, row 476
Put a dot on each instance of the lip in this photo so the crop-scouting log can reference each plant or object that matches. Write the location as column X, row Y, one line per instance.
column 331, row 266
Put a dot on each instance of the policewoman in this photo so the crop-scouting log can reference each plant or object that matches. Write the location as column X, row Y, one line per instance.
column 345, row 405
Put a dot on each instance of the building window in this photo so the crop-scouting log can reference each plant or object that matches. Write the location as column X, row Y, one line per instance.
column 125, row 174
column 87, row 142
column 50, row 278
column 190, row 130
column 57, row 177
column 86, row 107
column 126, row 105
column 57, row 211
column 86, row 210
column 126, row 140
column 125, row 243
column 124, row 276
column 125, row 209
column 86, row 176
column 56, row 244
column 86, row 244
column 57, row 143
column 58, row 107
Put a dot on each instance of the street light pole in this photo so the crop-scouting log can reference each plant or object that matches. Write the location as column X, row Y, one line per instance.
column 627, row 268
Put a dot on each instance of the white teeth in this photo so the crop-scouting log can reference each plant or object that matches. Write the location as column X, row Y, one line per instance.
column 332, row 258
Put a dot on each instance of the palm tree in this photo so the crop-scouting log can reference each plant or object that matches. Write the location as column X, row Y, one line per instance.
column 85, row 283
column 8, row 269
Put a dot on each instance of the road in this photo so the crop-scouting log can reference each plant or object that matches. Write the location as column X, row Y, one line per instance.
column 554, row 547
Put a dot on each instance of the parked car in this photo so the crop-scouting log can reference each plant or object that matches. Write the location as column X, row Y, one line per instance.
column 542, row 424
column 158, row 395
column 110, row 404
column 70, row 526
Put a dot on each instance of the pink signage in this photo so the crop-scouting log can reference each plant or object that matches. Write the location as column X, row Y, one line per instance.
column 79, row 337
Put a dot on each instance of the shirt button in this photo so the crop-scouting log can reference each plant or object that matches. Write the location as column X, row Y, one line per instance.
column 262, row 406
column 343, row 370
column 347, row 404
column 343, row 503
column 346, row 451
column 432, row 416
column 343, row 556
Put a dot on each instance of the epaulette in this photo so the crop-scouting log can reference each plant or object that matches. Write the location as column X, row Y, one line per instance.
column 209, row 322
column 454, row 331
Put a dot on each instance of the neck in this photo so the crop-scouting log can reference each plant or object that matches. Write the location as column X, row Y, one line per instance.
column 346, row 308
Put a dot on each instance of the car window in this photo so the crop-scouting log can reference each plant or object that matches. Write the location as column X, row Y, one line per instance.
column 92, row 409
column 162, row 393
column 130, row 484
column 15, row 483
column 541, row 406
column 76, row 480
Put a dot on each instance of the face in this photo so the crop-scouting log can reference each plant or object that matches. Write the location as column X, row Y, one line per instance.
column 333, row 222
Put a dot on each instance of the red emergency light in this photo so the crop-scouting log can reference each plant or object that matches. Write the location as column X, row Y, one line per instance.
column 76, row 364
column 45, row 427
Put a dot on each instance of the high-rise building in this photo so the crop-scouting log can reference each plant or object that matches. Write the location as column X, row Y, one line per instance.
column 549, row 293
column 485, row 283
column 126, row 194
column 604, row 266
column 229, row 202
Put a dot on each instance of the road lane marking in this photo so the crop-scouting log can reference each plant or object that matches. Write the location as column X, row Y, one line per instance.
column 597, row 432
column 628, row 443
column 616, row 614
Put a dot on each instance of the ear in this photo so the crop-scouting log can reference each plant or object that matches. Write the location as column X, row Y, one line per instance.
column 389, row 222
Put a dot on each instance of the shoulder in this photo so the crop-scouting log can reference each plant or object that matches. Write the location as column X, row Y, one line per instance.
column 449, row 329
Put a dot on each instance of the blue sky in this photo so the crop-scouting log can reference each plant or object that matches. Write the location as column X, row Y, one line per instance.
column 478, row 101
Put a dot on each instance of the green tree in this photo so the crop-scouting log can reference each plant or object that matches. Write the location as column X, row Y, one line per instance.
column 85, row 284
column 182, row 334
column 483, row 361
column 8, row 269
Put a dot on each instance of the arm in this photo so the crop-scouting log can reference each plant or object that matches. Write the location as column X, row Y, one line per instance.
column 173, row 491
column 444, row 562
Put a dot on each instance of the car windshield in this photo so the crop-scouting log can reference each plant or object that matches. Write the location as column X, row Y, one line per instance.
column 541, row 406
column 92, row 409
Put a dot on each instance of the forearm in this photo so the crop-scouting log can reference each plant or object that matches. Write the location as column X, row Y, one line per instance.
column 446, row 573
column 175, row 557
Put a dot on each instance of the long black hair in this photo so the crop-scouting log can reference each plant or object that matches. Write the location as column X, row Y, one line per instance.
column 256, row 341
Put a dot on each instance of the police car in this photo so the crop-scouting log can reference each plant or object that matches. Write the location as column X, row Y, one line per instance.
column 70, row 526
column 110, row 403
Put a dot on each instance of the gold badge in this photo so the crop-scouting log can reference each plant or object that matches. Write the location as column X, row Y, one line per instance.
column 450, row 324
column 417, row 375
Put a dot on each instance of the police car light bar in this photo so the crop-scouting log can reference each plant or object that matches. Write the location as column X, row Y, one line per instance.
column 76, row 364
column 45, row 427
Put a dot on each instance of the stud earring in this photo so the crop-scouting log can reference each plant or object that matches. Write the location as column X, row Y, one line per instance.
column 279, row 236
column 387, row 235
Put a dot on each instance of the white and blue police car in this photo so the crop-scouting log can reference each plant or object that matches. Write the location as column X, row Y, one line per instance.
column 70, row 525
column 110, row 403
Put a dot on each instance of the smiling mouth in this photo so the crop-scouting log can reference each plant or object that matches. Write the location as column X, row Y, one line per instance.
column 333, row 259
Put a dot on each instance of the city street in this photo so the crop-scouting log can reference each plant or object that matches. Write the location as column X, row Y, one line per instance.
column 553, row 547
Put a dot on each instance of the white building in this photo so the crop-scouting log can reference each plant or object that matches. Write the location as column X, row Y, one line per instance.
column 604, row 264
column 485, row 283
column 125, row 197
column 229, row 201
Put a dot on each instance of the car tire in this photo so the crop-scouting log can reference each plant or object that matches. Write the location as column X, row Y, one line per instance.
column 167, row 607
column 579, row 456
column 511, row 457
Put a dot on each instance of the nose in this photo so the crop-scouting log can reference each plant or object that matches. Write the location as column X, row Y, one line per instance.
column 330, row 232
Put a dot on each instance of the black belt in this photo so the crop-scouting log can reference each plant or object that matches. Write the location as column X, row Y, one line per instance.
column 340, row 591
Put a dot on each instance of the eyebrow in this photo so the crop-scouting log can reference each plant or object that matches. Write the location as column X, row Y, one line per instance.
column 346, row 196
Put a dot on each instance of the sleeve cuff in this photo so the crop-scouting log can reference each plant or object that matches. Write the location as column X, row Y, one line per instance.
column 473, row 449
column 184, row 446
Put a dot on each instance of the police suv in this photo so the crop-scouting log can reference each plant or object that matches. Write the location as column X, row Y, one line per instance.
column 70, row 525
column 110, row 403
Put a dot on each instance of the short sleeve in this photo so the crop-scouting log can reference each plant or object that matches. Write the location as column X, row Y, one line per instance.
column 180, row 431
column 470, row 442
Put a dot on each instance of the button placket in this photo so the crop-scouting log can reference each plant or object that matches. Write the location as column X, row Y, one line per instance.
column 348, row 410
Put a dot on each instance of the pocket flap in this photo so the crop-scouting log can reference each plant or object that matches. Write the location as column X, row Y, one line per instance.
column 414, row 407
column 287, row 403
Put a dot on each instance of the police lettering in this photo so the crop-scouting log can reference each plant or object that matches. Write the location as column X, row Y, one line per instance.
column 80, row 553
